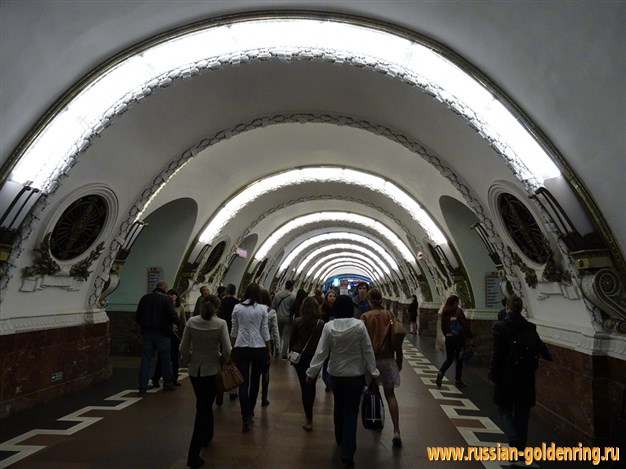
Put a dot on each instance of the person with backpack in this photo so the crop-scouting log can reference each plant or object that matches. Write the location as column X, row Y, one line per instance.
column 516, row 351
column 456, row 330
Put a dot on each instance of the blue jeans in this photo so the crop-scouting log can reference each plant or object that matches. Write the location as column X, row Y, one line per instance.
column 250, row 362
column 515, row 424
column 153, row 342
column 347, row 395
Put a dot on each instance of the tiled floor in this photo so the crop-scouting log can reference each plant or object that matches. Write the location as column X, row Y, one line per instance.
column 109, row 427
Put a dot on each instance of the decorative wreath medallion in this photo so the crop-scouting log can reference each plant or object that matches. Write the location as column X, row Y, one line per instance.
column 78, row 227
column 523, row 228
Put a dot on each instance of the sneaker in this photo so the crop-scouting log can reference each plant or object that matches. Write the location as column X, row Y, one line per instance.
column 460, row 384
column 439, row 379
column 396, row 442
column 308, row 426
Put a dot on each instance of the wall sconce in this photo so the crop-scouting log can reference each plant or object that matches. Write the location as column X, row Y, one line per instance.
column 484, row 237
column 134, row 232
column 16, row 201
column 196, row 255
column 443, row 257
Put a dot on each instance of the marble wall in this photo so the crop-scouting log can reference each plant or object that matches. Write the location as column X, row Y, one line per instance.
column 39, row 366
column 580, row 395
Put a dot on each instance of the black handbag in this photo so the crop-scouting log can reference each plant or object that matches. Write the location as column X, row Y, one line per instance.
column 372, row 409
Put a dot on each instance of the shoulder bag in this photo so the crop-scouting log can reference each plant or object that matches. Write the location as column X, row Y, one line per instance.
column 294, row 357
column 229, row 377
column 397, row 331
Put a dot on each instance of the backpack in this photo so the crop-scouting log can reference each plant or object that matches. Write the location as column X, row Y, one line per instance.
column 523, row 355
column 456, row 327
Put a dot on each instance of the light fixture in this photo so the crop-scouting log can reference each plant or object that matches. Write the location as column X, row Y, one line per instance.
column 132, row 235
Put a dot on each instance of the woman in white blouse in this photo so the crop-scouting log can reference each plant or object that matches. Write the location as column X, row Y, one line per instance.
column 347, row 344
column 205, row 342
column 250, row 337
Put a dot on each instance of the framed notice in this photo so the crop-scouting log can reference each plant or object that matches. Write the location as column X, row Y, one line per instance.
column 155, row 275
column 492, row 290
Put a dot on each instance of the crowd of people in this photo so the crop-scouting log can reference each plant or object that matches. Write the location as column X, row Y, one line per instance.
column 345, row 339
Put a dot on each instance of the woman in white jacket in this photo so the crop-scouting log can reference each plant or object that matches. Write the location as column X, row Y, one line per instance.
column 205, row 340
column 347, row 344
column 250, row 337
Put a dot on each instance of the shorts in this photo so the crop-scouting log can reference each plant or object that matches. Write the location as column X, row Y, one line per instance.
column 389, row 372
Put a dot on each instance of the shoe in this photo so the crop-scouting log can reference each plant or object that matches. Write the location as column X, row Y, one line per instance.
column 396, row 441
column 155, row 384
column 233, row 396
column 142, row 393
column 347, row 462
column 265, row 403
column 246, row 427
column 284, row 357
column 439, row 379
column 328, row 388
column 308, row 426
column 195, row 462
column 460, row 384
column 169, row 389
column 177, row 383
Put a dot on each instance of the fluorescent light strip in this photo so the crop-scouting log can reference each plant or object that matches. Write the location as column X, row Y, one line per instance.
column 280, row 181
column 343, row 252
column 348, row 248
column 325, row 273
column 334, row 237
column 320, row 217
column 185, row 55
column 323, row 263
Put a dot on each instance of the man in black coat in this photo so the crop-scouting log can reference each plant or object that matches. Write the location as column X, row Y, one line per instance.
column 156, row 315
column 516, row 351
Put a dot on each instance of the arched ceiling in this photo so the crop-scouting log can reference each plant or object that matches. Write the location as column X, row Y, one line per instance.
column 211, row 136
column 542, row 71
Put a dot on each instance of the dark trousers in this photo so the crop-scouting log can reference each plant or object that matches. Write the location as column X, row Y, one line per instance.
column 515, row 424
column 250, row 362
column 204, row 388
column 454, row 345
column 265, row 380
column 306, row 390
column 174, row 344
column 347, row 395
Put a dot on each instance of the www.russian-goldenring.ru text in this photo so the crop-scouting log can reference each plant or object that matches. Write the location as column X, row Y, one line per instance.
column 545, row 452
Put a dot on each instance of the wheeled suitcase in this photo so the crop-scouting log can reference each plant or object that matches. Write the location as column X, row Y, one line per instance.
column 372, row 409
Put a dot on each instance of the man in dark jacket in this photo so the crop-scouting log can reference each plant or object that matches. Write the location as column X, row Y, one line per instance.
column 516, row 351
column 156, row 315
